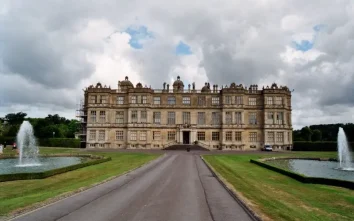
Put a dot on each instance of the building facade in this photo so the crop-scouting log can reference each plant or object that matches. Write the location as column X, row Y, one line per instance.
column 232, row 117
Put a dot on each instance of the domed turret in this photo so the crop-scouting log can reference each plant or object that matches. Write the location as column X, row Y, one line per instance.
column 178, row 85
column 126, row 84
column 206, row 88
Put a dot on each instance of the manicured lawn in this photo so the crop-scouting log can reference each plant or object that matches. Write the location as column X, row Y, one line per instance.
column 278, row 197
column 19, row 194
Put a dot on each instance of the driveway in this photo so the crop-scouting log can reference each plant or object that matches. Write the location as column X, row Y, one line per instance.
column 176, row 187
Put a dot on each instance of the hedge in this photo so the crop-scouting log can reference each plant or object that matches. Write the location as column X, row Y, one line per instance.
column 47, row 142
column 306, row 179
column 45, row 174
column 316, row 146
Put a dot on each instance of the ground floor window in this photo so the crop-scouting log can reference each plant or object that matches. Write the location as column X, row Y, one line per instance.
column 92, row 135
column 142, row 135
column 280, row 136
column 171, row 135
column 201, row 135
column 156, row 135
column 133, row 135
column 119, row 135
column 253, row 136
column 215, row 136
column 101, row 135
column 228, row 135
column 238, row 136
column 271, row 136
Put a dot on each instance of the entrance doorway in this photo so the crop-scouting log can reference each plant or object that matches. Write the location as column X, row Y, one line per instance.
column 186, row 137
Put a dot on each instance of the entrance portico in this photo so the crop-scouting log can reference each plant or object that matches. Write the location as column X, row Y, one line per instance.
column 186, row 136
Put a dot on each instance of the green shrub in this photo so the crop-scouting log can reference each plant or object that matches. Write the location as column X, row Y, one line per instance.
column 47, row 142
column 316, row 146
column 59, row 142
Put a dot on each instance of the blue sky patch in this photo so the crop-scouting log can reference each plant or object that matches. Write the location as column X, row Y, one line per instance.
column 304, row 45
column 183, row 49
column 138, row 34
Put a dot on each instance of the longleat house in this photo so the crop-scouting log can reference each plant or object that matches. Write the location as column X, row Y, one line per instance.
column 231, row 117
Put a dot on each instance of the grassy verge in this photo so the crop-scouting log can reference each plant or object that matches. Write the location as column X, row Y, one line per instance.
column 19, row 194
column 277, row 197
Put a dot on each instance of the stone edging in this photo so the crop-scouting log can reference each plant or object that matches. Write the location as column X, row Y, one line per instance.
column 62, row 196
column 234, row 195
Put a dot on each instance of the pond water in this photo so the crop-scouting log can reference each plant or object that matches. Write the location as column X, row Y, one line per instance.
column 314, row 168
column 10, row 166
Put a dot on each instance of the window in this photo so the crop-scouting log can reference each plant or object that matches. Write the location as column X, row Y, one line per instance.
column 119, row 117
column 252, row 117
column 200, row 135
column 280, row 136
column 186, row 100
column 157, row 117
column 270, row 116
column 171, row 100
column 133, row 99
column 215, row 136
column 103, row 99
column 171, row 118
column 253, row 136
column 156, row 135
column 215, row 117
column 101, row 135
column 228, row 117
column 238, row 117
column 133, row 135
column 157, row 100
column 270, row 136
column 278, row 100
column 228, row 136
column 201, row 101
column 228, row 100
column 279, row 118
column 119, row 135
column 269, row 101
column 102, row 116
column 238, row 100
column 120, row 100
column 93, row 99
column 134, row 116
column 186, row 117
column 201, row 118
column 143, row 116
column 252, row 101
column 92, row 135
column 215, row 100
column 144, row 99
column 93, row 116
column 142, row 135
column 171, row 135
column 238, row 136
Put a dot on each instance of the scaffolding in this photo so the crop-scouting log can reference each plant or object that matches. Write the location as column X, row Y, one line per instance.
column 81, row 116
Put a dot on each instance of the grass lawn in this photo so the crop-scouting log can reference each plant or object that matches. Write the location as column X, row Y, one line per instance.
column 19, row 194
column 277, row 197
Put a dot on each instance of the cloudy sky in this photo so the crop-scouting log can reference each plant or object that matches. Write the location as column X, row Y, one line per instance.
column 51, row 49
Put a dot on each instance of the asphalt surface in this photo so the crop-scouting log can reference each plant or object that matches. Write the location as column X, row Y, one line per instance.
column 175, row 187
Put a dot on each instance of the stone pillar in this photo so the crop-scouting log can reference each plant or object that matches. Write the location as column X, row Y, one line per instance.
column 180, row 137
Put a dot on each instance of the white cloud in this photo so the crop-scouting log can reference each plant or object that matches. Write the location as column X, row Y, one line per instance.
column 51, row 51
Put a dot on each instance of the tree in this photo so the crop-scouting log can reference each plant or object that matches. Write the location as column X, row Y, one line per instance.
column 306, row 133
column 316, row 135
column 15, row 118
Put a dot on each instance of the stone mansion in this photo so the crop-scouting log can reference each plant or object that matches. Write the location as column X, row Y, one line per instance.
column 230, row 117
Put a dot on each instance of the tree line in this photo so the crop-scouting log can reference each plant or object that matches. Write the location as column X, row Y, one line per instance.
column 52, row 126
column 323, row 132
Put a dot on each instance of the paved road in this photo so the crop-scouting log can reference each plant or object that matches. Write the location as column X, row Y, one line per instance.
column 176, row 187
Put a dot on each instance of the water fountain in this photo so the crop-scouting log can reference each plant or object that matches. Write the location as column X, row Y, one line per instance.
column 29, row 160
column 28, row 149
column 344, row 154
